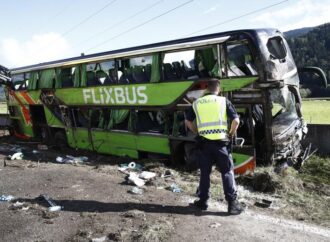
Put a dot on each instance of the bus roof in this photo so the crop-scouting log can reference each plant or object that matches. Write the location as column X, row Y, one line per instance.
column 144, row 49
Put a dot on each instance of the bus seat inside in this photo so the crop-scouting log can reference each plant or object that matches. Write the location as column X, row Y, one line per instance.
column 147, row 69
column 178, row 69
column 113, row 76
column 66, row 78
column 169, row 73
column 139, row 74
column 91, row 78
column 102, row 77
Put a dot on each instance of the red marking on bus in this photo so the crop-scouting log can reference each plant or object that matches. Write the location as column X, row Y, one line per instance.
column 27, row 97
column 25, row 111
column 21, row 136
column 249, row 166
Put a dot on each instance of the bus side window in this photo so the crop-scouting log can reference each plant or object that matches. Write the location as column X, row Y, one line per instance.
column 240, row 62
column 122, row 72
column 66, row 77
column 188, row 64
column 91, row 75
column 26, row 80
column 141, row 68
column 18, row 82
column 106, row 72
column 135, row 70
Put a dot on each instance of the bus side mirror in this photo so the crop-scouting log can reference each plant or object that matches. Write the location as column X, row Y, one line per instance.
column 307, row 76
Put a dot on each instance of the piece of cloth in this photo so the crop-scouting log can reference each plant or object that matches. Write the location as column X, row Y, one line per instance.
column 216, row 152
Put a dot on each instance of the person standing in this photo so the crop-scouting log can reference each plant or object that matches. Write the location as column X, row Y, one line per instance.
column 212, row 113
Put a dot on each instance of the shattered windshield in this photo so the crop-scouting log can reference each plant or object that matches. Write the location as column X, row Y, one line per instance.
column 283, row 104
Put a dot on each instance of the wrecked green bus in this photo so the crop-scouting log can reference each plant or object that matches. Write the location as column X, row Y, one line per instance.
column 132, row 102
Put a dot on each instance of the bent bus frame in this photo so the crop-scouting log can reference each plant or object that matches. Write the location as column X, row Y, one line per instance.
column 131, row 102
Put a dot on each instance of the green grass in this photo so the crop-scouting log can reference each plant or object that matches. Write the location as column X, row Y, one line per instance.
column 316, row 111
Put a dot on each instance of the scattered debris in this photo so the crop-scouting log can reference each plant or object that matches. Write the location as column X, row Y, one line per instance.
column 18, row 205
column 101, row 239
column 174, row 188
column 260, row 182
column 134, row 214
column 215, row 225
column 134, row 178
column 263, row 203
column 49, row 215
column 53, row 207
column 114, row 236
column 132, row 166
column 136, row 190
column 6, row 198
column 71, row 159
column 147, row 175
column 42, row 147
column 135, row 166
column 167, row 173
column 16, row 156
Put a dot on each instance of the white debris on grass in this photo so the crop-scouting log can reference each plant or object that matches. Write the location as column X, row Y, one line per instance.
column 134, row 178
column 147, row 175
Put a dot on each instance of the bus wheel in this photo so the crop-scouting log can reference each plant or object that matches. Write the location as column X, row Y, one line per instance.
column 45, row 136
column 60, row 140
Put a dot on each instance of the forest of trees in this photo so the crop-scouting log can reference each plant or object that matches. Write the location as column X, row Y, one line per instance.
column 311, row 47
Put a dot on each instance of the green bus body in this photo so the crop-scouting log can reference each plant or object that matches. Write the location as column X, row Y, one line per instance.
column 132, row 102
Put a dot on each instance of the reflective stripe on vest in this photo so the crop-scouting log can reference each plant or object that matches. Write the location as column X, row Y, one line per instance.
column 211, row 117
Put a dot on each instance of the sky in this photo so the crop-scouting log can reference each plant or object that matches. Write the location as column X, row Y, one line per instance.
column 37, row 31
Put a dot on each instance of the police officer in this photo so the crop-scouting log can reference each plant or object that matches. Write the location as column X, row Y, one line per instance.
column 212, row 113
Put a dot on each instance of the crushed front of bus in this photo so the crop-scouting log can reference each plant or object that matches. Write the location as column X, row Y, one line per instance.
column 288, row 127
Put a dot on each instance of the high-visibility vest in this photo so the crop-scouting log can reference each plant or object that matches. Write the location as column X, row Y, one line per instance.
column 211, row 117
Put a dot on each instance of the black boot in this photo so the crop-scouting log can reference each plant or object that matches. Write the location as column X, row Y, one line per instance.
column 234, row 207
column 201, row 204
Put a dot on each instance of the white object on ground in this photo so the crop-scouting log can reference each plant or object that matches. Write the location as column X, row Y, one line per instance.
column 54, row 208
column 4, row 198
column 147, row 175
column 136, row 190
column 101, row 239
column 18, row 204
column 134, row 178
column 17, row 156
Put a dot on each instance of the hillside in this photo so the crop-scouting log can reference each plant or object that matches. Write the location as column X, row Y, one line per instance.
column 311, row 48
column 297, row 32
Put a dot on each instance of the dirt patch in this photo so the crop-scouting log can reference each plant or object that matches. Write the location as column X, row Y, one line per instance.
column 97, row 205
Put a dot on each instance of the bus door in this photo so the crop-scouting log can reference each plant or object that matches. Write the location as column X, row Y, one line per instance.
column 111, row 132
column 243, row 148
column 78, row 133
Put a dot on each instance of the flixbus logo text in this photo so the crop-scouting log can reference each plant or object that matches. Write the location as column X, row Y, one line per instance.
column 116, row 95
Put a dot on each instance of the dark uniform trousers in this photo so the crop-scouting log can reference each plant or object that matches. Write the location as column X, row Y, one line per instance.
column 216, row 152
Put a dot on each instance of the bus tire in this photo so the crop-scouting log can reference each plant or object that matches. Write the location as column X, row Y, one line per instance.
column 60, row 140
column 45, row 136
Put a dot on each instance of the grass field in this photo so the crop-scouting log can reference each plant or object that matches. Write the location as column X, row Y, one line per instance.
column 316, row 111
